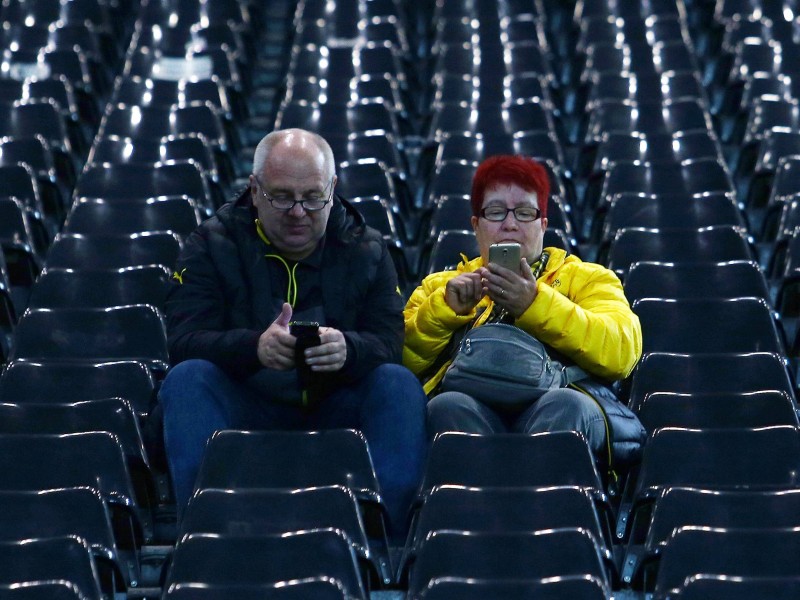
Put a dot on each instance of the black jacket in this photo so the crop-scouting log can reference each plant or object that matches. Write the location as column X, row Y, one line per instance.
column 220, row 300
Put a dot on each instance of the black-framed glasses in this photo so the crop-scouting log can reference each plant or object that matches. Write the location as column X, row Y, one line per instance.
column 524, row 214
column 286, row 202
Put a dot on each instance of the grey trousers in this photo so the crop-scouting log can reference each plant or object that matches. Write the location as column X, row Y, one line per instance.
column 558, row 410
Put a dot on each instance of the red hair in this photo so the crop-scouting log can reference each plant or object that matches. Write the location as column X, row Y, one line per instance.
column 509, row 169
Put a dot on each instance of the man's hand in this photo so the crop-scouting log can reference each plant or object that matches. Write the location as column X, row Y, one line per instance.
column 464, row 291
column 276, row 344
column 331, row 353
column 510, row 290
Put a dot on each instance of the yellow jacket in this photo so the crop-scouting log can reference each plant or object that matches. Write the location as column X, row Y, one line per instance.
column 579, row 310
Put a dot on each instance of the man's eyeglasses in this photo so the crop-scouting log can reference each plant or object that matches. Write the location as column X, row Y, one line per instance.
column 286, row 202
column 524, row 214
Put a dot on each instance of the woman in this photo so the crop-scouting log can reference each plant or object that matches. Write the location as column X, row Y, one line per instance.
column 577, row 309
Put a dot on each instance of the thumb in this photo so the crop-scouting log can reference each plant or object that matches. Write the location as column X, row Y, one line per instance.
column 285, row 316
column 526, row 270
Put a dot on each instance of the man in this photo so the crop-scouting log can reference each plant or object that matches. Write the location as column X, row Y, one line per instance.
column 288, row 249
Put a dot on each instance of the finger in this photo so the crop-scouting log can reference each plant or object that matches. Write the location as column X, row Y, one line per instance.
column 525, row 270
column 285, row 316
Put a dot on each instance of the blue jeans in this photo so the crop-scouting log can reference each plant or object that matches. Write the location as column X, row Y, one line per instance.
column 557, row 410
column 388, row 406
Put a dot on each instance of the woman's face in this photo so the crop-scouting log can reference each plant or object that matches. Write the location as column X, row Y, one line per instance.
column 529, row 235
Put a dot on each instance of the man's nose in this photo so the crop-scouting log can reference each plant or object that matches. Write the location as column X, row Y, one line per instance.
column 297, row 210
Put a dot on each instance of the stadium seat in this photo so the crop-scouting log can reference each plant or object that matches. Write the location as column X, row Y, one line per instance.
column 736, row 278
column 506, row 556
column 725, row 587
column 77, row 251
column 60, row 382
column 319, row 588
column 679, row 506
column 178, row 214
column 56, row 559
column 134, row 332
column 575, row 587
column 335, row 457
column 277, row 511
column 66, row 288
column 670, row 325
column 266, row 559
column 732, row 552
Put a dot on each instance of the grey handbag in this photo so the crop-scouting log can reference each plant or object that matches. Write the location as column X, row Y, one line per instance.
column 505, row 367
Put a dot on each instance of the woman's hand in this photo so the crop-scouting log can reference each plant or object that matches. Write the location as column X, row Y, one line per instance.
column 464, row 291
column 509, row 290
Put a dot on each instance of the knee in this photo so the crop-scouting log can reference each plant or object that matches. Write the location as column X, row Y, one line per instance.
column 447, row 404
column 570, row 402
column 392, row 381
column 186, row 379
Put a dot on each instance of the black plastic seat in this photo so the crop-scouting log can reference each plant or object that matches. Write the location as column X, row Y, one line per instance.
column 179, row 215
column 656, row 147
column 732, row 552
column 507, row 510
column 59, row 382
column 134, row 332
column 132, row 181
column 578, row 587
column 704, row 325
column 226, row 560
column 41, row 590
column 669, row 211
column 57, row 559
column 335, row 457
column 695, row 280
column 369, row 114
column 445, row 253
column 766, row 458
column 679, row 507
column 23, row 240
column 54, row 185
column 368, row 178
column 169, row 149
column 275, row 511
column 722, row 587
column 499, row 461
column 90, row 459
column 65, row 288
column 711, row 244
column 75, row 251
column 78, row 511
column 777, row 143
column 114, row 415
column 20, row 182
column 709, row 373
column 715, row 410
column 506, row 556
column 319, row 588
column 691, row 176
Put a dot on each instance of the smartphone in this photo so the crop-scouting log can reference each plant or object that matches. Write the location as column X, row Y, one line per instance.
column 307, row 334
column 505, row 255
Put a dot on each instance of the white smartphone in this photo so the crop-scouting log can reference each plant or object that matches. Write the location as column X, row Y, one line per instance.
column 505, row 255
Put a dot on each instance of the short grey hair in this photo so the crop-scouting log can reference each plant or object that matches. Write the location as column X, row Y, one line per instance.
column 272, row 139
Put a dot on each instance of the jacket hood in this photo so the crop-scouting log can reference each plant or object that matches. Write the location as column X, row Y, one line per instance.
column 345, row 223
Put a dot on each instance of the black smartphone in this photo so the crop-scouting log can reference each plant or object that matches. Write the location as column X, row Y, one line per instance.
column 307, row 334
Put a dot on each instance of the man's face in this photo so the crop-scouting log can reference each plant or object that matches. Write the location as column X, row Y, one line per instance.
column 293, row 174
column 529, row 235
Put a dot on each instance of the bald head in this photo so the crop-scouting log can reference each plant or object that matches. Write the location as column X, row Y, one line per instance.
column 284, row 146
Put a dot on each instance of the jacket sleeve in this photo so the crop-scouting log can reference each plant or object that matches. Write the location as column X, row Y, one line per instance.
column 378, row 335
column 429, row 322
column 581, row 311
column 196, row 317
